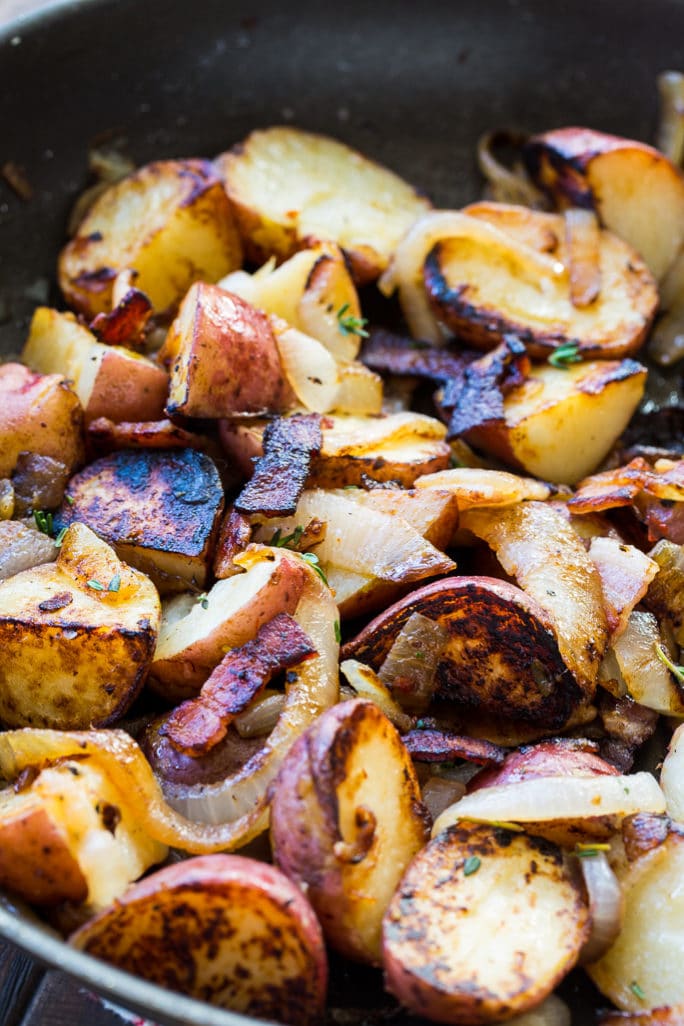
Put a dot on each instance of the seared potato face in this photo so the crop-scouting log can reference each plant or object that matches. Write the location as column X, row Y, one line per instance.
column 77, row 635
column 39, row 413
column 222, row 928
column 170, row 221
column 159, row 510
column 483, row 925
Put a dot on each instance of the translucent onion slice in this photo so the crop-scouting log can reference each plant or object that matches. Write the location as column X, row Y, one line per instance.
column 406, row 269
column 594, row 806
column 475, row 486
column 583, row 244
column 671, row 123
column 506, row 185
column 438, row 793
column 411, row 663
column 210, row 817
column 672, row 776
column 309, row 368
column 261, row 716
column 647, row 677
column 606, row 904
column 552, row 1012
column 366, row 684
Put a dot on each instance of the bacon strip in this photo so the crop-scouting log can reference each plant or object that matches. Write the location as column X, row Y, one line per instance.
column 441, row 746
column 126, row 322
column 625, row 574
column 290, row 444
column 387, row 353
column 610, row 489
column 105, row 436
column 234, row 537
column 475, row 397
column 196, row 726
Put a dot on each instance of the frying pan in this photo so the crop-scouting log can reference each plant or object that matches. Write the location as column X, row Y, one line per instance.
column 412, row 84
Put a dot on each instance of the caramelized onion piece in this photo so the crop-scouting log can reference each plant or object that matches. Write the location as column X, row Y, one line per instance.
column 507, row 185
column 410, row 666
column 671, row 121
column 583, row 244
column 606, row 904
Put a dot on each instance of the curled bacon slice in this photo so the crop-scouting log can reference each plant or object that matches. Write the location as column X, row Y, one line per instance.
column 197, row 725
column 290, row 444
column 126, row 322
column 442, row 746
column 475, row 397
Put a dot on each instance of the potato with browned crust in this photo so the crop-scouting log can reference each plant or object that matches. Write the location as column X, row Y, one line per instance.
column 169, row 221
column 222, row 928
column 346, row 820
column 289, row 187
column 483, row 925
column 39, row 413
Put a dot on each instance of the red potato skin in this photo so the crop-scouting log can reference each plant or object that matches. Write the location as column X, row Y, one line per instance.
column 226, row 879
column 35, row 861
column 559, row 758
column 127, row 389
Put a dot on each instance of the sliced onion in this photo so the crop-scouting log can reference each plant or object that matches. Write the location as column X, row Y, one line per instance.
column 309, row 368
column 506, row 185
column 606, row 904
column 365, row 683
column 476, row 486
column 583, row 246
column 411, row 663
column 625, row 574
column 671, row 127
column 438, row 793
column 208, row 817
column 406, row 269
column 672, row 776
column 354, row 436
column 647, row 677
column 261, row 716
column 558, row 800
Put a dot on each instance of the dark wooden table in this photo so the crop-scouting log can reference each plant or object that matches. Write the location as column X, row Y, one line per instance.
column 31, row 996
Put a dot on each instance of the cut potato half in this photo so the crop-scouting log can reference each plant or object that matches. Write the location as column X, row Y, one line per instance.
column 288, row 186
column 170, row 221
column 483, row 926
column 483, row 292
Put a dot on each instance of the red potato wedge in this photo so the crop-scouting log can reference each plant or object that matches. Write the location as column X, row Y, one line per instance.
column 170, row 221
column 77, row 635
column 636, row 191
column 213, row 347
column 109, row 381
column 288, row 187
column 564, row 809
column 483, row 291
column 560, row 424
column 39, row 413
column 346, row 820
column 642, row 969
column 483, row 926
column 500, row 655
column 195, row 634
column 160, row 511
column 562, row 757
column 224, row 929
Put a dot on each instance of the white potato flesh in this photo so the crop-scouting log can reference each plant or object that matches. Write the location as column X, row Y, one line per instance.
column 359, row 390
column 643, row 969
column 483, row 925
column 290, row 186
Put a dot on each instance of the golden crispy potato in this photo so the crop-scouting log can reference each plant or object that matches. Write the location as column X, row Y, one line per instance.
column 196, row 633
column 346, row 820
column 170, row 221
column 360, row 390
column 562, row 422
column 38, row 413
column 482, row 290
column 109, row 381
column 643, row 969
column 224, row 929
column 159, row 510
column 70, row 836
column 483, row 925
column 77, row 635
column 637, row 192
column 214, row 346
column 289, row 187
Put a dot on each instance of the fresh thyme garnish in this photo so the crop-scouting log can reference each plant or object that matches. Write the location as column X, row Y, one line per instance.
column 637, row 990
column 471, row 865
column 60, row 537
column 115, row 583
column 203, row 600
column 565, row 354
column 43, row 521
column 350, row 324
column 678, row 671
column 338, row 632
column 289, row 540
column 588, row 851
column 313, row 560
column 95, row 585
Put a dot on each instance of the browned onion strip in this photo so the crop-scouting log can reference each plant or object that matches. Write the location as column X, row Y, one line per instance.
column 225, row 815
column 583, row 245
column 536, row 545
column 290, row 444
column 506, row 185
column 410, row 665
column 670, row 137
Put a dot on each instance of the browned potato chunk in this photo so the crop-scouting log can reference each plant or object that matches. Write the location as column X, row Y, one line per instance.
column 77, row 636
column 215, row 344
column 637, row 192
column 109, row 381
column 160, row 511
column 483, row 925
column 222, row 928
column 38, row 413
column 346, row 820
column 170, row 221
column 289, row 186
column 482, row 289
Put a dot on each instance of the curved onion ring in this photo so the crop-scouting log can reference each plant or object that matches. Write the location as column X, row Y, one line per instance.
column 406, row 269
column 236, row 807
column 606, row 905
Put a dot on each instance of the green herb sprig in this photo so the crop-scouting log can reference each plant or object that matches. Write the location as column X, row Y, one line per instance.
column 349, row 324
column 564, row 355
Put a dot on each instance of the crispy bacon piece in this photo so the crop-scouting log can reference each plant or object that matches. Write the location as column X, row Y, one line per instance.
column 125, row 324
column 290, row 444
column 663, row 518
column 475, row 397
column 441, row 746
column 196, row 726
column 387, row 353
column 105, row 436
column 643, row 832
column 234, row 537
column 610, row 489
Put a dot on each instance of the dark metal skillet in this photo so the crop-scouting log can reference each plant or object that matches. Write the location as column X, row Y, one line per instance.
column 411, row 84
